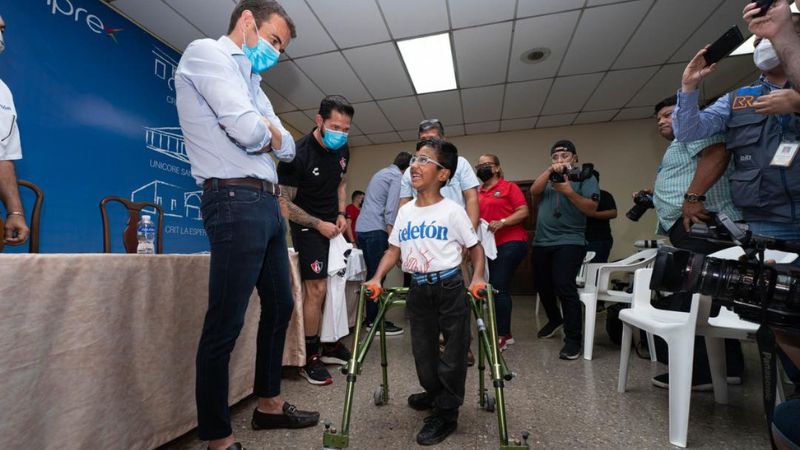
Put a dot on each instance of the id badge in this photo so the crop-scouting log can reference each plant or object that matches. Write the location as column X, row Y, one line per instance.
column 785, row 154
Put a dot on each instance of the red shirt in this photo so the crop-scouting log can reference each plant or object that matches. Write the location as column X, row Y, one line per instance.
column 499, row 202
column 352, row 212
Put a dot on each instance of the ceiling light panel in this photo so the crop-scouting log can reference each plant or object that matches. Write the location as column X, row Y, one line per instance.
column 429, row 61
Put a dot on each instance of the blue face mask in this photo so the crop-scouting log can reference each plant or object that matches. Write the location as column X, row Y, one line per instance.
column 334, row 140
column 263, row 56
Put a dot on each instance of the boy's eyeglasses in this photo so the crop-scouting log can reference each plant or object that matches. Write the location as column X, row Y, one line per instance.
column 424, row 160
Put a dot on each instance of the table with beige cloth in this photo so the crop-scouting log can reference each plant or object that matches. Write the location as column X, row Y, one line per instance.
column 98, row 350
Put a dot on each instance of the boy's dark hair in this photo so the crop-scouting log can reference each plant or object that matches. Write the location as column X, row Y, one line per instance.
column 262, row 10
column 446, row 153
column 356, row 194
column 335, row 102
column 669, row 101
column 402, row 160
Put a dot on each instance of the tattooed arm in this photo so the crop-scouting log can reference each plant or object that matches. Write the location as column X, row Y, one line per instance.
column 297, row 215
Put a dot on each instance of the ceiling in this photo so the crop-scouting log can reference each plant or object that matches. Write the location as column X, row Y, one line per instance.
column 610, row 60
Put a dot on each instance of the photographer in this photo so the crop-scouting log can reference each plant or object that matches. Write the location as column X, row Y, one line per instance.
column 776, row 25
column 560, row 244
column 759, row 123
column 677, row 193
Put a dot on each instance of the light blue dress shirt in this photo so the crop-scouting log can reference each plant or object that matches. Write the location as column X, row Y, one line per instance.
column 381, row 202
column 463, row 179
column 690, row 124
column 220, row 107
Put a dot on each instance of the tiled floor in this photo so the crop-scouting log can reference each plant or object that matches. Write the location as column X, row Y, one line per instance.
column 562, row 404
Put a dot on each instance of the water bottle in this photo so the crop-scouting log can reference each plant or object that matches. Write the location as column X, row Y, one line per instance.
column 146, row 232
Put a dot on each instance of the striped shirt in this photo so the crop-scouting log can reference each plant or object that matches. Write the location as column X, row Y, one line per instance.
column 675, row 174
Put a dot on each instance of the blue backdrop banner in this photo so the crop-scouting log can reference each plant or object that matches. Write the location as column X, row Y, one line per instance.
column 95, row 98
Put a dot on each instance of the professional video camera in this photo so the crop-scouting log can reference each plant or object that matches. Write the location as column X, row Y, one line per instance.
column 573, row 174
column 757, row 291
column 642, row 201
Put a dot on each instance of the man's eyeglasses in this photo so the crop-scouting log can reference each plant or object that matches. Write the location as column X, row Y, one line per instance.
column 424, row 160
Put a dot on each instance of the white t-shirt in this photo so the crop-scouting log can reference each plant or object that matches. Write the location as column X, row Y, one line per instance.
column 431, row 238
column 10, row 148
column 463, row 179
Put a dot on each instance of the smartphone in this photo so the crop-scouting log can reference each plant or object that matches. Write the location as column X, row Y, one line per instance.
column 723, row 46
column 765, row 5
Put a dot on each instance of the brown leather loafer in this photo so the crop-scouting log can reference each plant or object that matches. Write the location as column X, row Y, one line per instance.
column 291, row 418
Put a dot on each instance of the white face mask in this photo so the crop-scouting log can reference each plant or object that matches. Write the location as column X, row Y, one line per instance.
column 765, row 56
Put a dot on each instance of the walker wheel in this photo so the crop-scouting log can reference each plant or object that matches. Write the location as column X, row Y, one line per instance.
column 377, row 396
column 489, row 403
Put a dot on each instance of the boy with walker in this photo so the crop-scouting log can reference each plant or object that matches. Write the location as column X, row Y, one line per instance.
column 428, row 235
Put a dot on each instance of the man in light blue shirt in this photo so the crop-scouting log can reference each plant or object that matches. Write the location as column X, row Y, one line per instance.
column 462, row 188
column 375, row 224
column 230, row 130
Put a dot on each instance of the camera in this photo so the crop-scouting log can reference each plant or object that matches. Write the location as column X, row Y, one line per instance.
column 573, row 174
column 642, row 201
column 757, row 291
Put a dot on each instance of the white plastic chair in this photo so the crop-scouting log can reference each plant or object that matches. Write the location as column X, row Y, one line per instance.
column 728, row 325
column 677, row 329
column 597, row 288
column 580, row 280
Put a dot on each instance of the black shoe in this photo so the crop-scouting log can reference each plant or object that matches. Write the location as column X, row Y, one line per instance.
column 336, row 354
column 234, row 446
column 420, row 402
column 435, row 430
column 291, row 418
column 549, row 330
column 315, row 372
column 570, row 350
column 699, row 384
column 390, row 328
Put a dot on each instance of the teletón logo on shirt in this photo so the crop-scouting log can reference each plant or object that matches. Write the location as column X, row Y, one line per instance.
column 94, row 23
column 423, row 231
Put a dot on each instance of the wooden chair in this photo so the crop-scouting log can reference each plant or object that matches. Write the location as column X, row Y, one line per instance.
column 129, row 238
column 35, row 218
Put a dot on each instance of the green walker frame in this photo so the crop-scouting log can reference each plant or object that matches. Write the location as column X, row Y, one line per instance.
column 488, row 352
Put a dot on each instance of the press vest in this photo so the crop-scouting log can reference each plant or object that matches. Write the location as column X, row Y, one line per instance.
column 762, row 192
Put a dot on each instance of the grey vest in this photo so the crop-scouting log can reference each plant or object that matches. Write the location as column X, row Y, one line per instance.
column 762, row 192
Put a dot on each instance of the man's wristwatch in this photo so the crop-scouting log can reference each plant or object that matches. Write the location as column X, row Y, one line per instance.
column 694, row 198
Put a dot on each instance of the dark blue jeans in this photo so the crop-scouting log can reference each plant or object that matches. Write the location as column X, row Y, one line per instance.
column 501, row 271
column 374, row 245
column 248, row 250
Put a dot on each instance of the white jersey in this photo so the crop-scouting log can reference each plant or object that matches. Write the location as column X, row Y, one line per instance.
column 10, row 148
column 334, row 314
column 431, row 238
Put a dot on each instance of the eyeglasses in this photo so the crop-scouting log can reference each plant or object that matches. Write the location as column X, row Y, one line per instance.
column 488, row 164
column 424, row 160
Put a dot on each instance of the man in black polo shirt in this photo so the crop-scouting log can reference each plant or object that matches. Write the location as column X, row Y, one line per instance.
column 313, row 196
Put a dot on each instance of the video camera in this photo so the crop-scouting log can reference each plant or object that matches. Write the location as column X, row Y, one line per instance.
column 757, row 291
column 642, row 201
column 573, row 174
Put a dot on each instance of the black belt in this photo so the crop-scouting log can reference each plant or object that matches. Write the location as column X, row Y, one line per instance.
column 262, row 185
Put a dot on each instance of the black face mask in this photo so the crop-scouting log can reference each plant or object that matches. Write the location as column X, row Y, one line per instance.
column 485, row 173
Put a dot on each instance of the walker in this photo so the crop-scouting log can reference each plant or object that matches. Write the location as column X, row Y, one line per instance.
column 488, row 352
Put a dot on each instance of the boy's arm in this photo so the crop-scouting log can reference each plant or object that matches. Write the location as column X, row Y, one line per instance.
column 478, row 261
